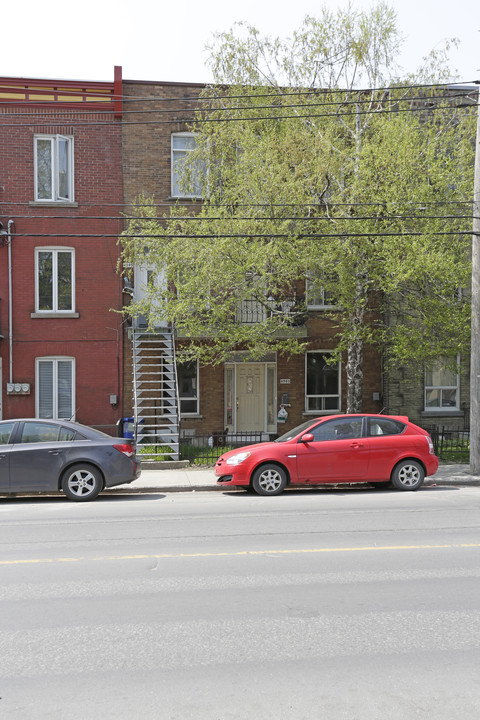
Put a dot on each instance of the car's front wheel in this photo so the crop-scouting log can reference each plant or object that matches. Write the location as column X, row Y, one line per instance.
column 82, row 482
column 269, row 480
column 408, row 475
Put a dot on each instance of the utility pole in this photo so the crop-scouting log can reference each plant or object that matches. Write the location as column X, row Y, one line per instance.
column 475, row 342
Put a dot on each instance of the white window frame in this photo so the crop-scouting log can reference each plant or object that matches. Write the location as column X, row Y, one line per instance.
column 441, row 408
column 315, row 295
column 54, row 250
column 338, row 395
column 54, row 360
column 54, row 161
column 197, row 397
column 174, row 156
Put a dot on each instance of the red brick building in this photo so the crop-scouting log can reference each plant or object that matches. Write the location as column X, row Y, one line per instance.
column 60, row 201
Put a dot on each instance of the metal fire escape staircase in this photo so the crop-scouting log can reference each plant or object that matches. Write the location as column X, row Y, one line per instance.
column 155, row 390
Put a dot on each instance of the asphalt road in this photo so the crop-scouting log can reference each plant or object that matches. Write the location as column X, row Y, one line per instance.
column 351, row 604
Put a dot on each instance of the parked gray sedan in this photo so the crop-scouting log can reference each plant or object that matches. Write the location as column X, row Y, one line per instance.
column 45, row 455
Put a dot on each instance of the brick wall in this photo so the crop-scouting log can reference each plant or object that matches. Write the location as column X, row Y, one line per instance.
column 94, row 338
column 147, row 170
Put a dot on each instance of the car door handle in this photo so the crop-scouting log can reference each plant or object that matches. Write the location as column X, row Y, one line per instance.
column 355, row 445
column 53, row 452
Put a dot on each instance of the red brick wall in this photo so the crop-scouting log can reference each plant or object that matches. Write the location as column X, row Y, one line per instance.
column 95, row 337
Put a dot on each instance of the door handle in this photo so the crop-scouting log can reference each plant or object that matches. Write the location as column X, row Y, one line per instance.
column 356, row 445
column 54, row 452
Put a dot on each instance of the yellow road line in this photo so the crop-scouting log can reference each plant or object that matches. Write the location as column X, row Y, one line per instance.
column 240, row 553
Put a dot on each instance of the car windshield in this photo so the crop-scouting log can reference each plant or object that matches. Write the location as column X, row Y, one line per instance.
column 296, row 431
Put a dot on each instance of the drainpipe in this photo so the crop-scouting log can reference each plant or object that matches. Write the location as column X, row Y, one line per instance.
column 10, row 313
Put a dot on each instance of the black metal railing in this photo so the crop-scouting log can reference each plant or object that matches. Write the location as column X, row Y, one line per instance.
column 206, row 449
column 450, row 444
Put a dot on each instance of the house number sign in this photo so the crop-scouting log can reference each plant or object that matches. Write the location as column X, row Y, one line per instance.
column 284, row 381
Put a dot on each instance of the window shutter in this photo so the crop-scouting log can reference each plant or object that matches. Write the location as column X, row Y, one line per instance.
column 45, row 389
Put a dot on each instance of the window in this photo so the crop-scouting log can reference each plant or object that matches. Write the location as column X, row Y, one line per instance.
column 340, row 429
column 183, row 186
column 53, row 168
column 441, row 386
column 251, row 310
column 6, row 432
column 318, row 297
column 384, row 426
column 55, row 388
column 39, row 432
column 322, row 383
column 44, row 432
column 187, row 374
column 54, row 280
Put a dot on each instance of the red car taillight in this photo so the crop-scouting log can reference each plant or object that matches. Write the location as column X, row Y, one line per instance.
column 430, row 445
column 126, row 449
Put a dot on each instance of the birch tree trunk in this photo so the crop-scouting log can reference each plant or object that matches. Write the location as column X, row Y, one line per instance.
column 354, row 369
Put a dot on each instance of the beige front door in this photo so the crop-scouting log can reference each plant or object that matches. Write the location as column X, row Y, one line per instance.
column 250, row 397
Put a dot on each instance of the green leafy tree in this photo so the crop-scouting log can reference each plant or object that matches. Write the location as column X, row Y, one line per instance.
column 308, row 179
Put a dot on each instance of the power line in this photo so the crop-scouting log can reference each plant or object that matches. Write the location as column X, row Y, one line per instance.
column 188, row 201
column 48, row 113
column 248, row 236
column 49, row 87
column 258, row 218
column 200, row 121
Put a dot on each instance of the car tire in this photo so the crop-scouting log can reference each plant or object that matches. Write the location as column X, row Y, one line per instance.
column 82, row 482
column 408, row 475
column 383, row 485
column 269, row 480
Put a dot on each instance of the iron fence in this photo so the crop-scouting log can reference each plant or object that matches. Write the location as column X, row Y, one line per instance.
column 206, row 449
column 450, row 444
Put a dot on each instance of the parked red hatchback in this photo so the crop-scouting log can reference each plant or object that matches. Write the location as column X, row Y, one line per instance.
column 381, row 449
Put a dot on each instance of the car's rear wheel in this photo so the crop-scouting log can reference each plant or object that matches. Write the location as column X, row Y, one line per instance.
column 82, row 482
column 408, row 475
column 269, row 480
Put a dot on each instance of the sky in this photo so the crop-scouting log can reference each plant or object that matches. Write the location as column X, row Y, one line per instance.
column 156, row 40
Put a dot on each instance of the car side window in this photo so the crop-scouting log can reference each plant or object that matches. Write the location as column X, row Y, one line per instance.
column 66, row 434
column 384, row 426
column 5, row 433
column 339, row 429
column 34, row 432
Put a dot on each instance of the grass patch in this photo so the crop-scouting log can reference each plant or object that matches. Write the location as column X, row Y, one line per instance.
column 455, row 455
column 203, row 455
column 155, row 452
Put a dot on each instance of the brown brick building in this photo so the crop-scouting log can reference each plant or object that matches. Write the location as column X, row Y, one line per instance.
column 238, row 396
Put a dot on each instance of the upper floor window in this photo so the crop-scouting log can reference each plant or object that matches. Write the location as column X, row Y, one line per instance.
column 54, row 280
column 53, row 168
column 322, row 383
column 317, row 297
column 252, row 308
column 186, row 182
column 442, row 385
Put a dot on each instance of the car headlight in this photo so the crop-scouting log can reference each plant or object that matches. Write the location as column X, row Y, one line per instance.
column 238, row 458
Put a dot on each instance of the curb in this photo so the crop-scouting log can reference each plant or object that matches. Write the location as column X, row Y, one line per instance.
column 219, row 488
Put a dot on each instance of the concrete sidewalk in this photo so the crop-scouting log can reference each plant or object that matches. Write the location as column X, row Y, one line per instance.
column 191, row 479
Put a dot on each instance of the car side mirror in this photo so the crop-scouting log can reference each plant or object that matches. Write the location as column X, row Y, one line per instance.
column 308, row 437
